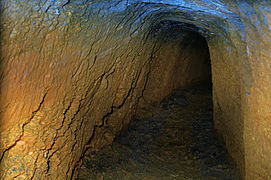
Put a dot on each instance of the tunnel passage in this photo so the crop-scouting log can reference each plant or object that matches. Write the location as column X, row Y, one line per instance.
column 73, row 73
column 172, row 134
column 182, row 59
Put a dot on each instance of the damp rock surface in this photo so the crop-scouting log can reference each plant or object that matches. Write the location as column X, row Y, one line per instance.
column 175, row 141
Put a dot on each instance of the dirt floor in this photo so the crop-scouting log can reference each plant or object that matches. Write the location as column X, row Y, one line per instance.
column 174, row 141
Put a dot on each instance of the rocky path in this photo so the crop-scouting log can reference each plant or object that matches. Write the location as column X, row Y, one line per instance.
column 175, row 141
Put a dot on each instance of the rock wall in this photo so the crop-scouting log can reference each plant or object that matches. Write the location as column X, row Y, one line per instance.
column 241, row 115
column 74, row 72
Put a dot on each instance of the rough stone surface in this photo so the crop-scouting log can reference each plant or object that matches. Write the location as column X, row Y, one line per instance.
column 173, row 141
column 74, row 72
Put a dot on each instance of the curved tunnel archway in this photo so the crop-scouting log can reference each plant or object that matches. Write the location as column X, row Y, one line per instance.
column 181, row 60
column 73, row 73
column 163, row 141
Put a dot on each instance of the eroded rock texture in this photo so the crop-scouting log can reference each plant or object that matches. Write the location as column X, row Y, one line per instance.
column 74, row 72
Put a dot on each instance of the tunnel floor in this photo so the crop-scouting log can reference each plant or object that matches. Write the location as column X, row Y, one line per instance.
column 174, row 141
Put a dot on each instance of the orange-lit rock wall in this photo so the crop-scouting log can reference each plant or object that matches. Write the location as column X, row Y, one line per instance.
column 257, row 112
column 241, row 74
column 74, row 72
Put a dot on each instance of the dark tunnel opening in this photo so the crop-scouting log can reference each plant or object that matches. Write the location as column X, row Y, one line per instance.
column 195, row 45
column 175, row 139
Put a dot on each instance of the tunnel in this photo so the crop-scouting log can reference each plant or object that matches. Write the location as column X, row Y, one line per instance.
column 173, row 121
column 78, row 78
